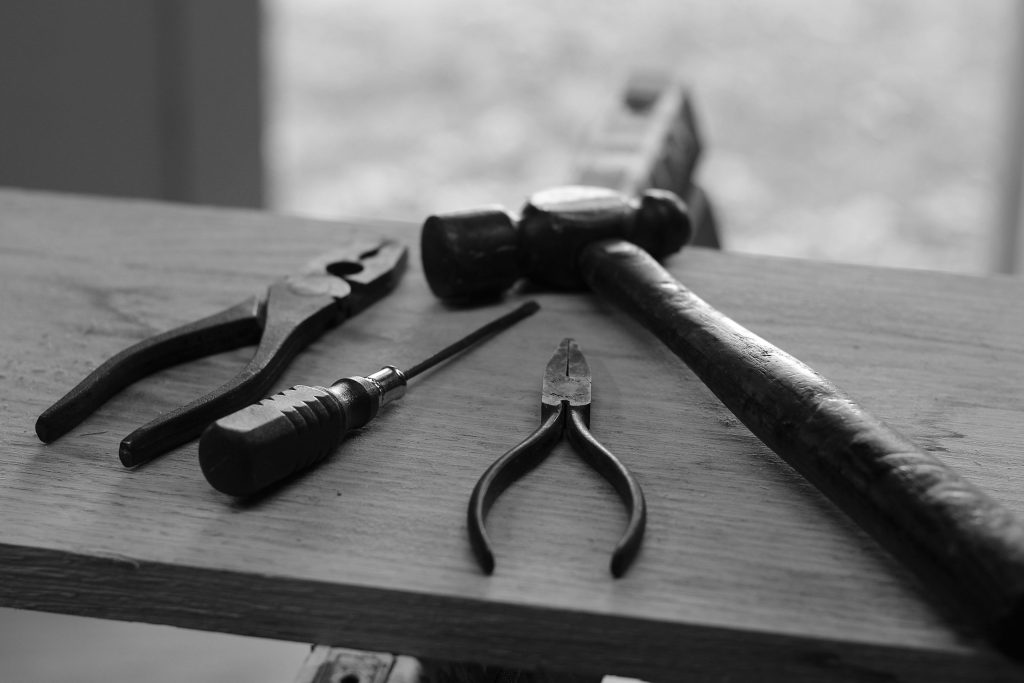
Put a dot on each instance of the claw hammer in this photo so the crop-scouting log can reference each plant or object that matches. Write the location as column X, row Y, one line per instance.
column 963, row 545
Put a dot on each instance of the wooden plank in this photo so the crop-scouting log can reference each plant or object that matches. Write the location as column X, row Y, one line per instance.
column 746, row 570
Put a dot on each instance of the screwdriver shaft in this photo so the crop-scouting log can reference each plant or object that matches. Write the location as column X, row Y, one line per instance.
column 502, row 323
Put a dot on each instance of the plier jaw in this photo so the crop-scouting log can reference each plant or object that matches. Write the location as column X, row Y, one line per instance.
column 293, row 312
column 368, row 270
column 567, row 377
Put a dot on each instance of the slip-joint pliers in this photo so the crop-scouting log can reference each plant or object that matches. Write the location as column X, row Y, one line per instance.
column 293, row 312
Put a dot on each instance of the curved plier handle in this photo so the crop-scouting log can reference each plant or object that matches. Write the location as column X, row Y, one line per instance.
column 293, row 313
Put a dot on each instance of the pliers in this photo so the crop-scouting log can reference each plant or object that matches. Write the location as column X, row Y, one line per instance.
column 565, row 409
column 293, row 312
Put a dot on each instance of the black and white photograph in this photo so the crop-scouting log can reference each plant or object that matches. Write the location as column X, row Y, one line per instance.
column 511, row 342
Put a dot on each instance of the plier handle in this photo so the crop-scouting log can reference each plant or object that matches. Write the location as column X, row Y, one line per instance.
column 565, row 409
column 293, row 312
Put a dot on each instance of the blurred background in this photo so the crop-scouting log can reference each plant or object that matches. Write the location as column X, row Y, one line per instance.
column 861, row 131
column 850, row 130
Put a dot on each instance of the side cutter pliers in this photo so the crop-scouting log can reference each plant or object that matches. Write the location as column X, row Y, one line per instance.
column 293, row 312
column 565, row 408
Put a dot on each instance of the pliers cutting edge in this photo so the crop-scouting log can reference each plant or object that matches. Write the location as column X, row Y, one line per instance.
column 565, row 408
column 294, row 312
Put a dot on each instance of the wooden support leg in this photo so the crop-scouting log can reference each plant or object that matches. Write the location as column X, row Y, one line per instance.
column 339, row 665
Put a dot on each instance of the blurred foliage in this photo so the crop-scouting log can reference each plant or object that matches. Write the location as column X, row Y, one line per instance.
column 855, row 130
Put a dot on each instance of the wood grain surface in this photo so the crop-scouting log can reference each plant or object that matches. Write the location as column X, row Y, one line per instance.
column 746, row 570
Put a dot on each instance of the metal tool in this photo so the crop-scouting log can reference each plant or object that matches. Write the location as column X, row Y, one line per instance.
column 262, row 444
column 564, row 409
column 480, row 253
column 650, row 139
column 961, row 543
column 294, row 312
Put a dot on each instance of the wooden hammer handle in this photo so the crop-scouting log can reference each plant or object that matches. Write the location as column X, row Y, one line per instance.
column 957, row 539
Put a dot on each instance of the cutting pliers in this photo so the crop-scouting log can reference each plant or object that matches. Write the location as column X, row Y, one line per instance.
column 293, row 312
column 565, row 409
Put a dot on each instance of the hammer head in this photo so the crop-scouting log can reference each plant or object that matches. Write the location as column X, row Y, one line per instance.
column 480, row 253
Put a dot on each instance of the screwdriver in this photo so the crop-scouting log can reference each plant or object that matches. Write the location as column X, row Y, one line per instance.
column 262, row 444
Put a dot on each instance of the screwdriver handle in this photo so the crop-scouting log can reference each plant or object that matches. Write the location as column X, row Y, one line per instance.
column 269, row 441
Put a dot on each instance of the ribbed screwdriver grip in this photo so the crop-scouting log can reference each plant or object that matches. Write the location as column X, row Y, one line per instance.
column 269, row 441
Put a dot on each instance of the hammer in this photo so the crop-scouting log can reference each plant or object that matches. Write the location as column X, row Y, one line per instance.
column 961, row 543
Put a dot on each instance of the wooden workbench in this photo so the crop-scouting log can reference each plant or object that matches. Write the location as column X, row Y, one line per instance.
column 747, row 571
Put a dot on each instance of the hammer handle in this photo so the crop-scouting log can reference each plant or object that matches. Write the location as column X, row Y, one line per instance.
column 957, row 539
